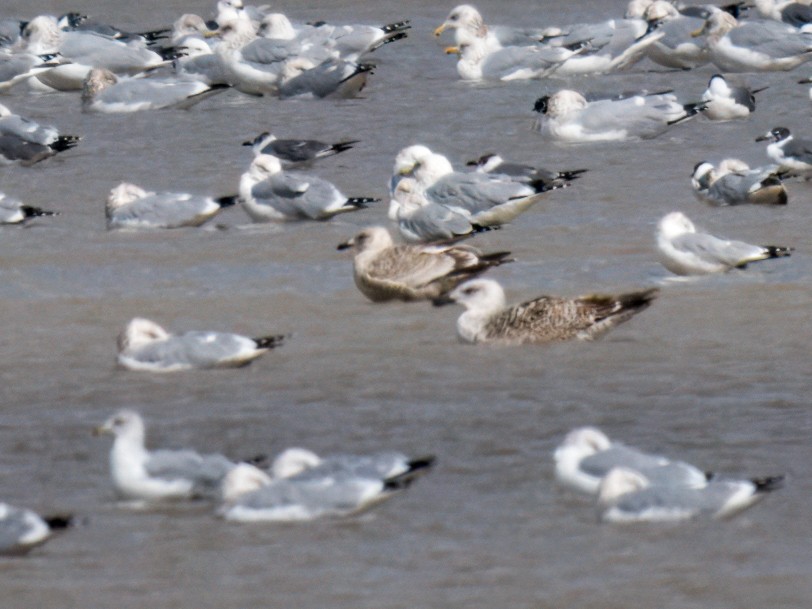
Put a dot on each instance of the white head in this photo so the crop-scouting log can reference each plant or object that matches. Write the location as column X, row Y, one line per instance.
column 189, row 24
column 718, row 24
column 193, row 46
column 292, row 461
column 236, row 32
column 481, row 295
column 637, row 8
column 660, row 10
column 372, row 239
column 140, row 332
column 123, row 194
column 264, row 165
column 583, row 441
column 276, row 26
column 620, row 481
column 718, row 86
column 124, row 424
column 703, row 176
column 410, row 156
column 96, row 81
column 241, row 479
column 675, row 224
column 42, row 35
column 464, row 17
column 562, row 103
column 408, row 196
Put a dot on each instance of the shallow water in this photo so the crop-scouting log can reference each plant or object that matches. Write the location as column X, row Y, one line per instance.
column 716, row 372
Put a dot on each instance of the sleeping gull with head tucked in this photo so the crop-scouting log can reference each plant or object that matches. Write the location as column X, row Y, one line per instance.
column 587, row 454
column 790, row 153
column 105, row 92
column 732, row 182
column 158, row 475
column 14, row 211
column 684, row 251
column 567, row 116
column 384, row 271
column 328, row 489
column 130, row 206
column 294, row 151
column 269, row 193
column 626, row 495
column 488, row 318
column 144, row 345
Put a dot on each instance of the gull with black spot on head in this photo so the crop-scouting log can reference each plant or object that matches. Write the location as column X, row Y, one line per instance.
column 790, row 153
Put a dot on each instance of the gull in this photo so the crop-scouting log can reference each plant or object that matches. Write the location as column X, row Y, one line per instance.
column 467, row 22
column 22, row 529
column 676, row 48
column 684, row 251
column 587, row 454
column 84, row 50
column 488, row 319
column 17, row 149
column 31, row 131
column 146, row 346
column 724, row 102
column 478, row 62
column 792, row 12
column 484, row 199
column 305, row 464
column 790, row 153
column 13, row 211
column 78, row 22
column 732, row 182
column 270, row 194
column 385, row 271
column 331, row 78
column 105, row 92
column 626, row 495
column 250, row 495
column 130, row 206
column 567, row 116
column 421, row 221
column 294, row 151
column 196, row 61
column 493, row 163
column 158, row 475
column 754, row 46
column 18, row 67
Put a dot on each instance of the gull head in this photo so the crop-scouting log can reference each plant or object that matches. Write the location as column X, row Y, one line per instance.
column 660, row 10
column 675, row 224
column 276, row 26
column 125, row 423
column 96, row 81
column 292, row 461
column 139, row 332
column 776, row 134
column 408, row 196
column 42, row 35
column 716, row 25
column 620, row 481
column 263, row 166
column 193, row 47
column 371, row 239
column 241, row 479
column 703, row 176
column 718, row 86
column 560, row 103
column 189, row 24
column 408, row 158
column 464, row 17
column 583, row 442
column 123, row 194
column 479, row 295
column 235, row 31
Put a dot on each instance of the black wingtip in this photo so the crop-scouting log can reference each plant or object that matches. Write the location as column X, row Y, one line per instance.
column 361, row 202
column 64, row 142
column 417, row 467
column 228, row 201
column 777, row 251
column 768, row 484
column 343, row 146
column 35, row 212
column 398, row 26
column 60, row 521
column 270, row 342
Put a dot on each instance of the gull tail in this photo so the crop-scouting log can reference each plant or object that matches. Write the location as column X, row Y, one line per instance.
column 35, row 212
column 768, row 484
column 690, row 110
column 398, row 26
column 636, row 301
column 338, row 147
column 386, row 40
column 64, row 142
column 354, row 203
column 228, row 201
column 571, row 174
column 60, row 521
column 270, row 342
column 154, row 35
column 776, row 251
column 199, row 97
column 417, row 467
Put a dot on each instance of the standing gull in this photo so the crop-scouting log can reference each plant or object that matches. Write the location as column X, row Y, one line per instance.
column 144, row 345
column 296, row 151
column 790, row 153
column 384, row 271
column 129, row 206
column 270, row 194
column 158, row 475
column 488, row 319
column 626, row 495
column 732, row 182
column 684, row 251
column 587, row 454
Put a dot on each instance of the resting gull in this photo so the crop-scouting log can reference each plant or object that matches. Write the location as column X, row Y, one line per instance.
column 753, row 46
column 19, row 67
column 793, row 12
column 724, row 102
column 676, row 48
column 587, row 454
column 31, row 131
column 467, row 22
column 684, row 251
column 158, row 475
column 493, row 163
column 22, row 529
column 488, row 319
column 268, row 193
column 294, row 151
column 626, row 495
column 130, row 206
column 144, row 345
column 325, row 490
column 567, row 116
column 104, row 92
column 13, row 211
column 17, row 149
column 790, row 153
column 384, row 271
column 732, row 182
column 331, row 78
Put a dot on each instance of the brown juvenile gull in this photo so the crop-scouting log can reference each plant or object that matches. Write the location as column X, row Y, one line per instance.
column 385, row 271
column 545, row 319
